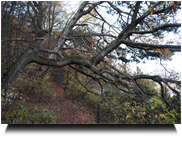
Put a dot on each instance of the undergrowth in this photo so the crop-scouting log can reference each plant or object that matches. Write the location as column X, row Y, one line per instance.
column 20, row 113
column 121, row 107
column 16, row 109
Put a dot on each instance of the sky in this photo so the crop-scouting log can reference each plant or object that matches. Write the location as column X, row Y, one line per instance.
column 151, row 65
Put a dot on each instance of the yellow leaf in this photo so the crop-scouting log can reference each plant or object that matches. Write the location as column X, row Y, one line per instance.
column 162, row 116
column 152, row 107
column 128, row 116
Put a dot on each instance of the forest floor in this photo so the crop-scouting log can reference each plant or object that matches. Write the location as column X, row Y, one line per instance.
column 67, row 112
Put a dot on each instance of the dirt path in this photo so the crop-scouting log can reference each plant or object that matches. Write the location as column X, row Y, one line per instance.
column 65, row 111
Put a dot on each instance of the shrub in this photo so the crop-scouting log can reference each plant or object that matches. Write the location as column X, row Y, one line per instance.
column 153, row 111
column 19, row 113
column 35, row 90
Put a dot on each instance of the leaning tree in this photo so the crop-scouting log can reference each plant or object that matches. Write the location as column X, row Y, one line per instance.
column 98, row 33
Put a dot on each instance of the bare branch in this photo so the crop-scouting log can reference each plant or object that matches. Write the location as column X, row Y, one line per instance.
column 146, row 46
column 154, row 78
column 90, row 35
column 117, row 9
column 104, row 20
column 135, row 14
column 73, row 59
column 162, row 95
column 52, row 52
column 84, row 85
column 156, row 29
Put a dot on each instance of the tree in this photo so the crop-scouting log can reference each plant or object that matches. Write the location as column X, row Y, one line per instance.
column 95, row 42
column 28, row 25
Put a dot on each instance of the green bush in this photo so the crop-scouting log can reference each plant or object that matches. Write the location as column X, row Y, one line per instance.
column 17, row 107
column 153, row 111
column 21, row 114
column 36, row 90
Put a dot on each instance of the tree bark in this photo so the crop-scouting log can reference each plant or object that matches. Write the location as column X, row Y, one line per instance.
column 16, row 69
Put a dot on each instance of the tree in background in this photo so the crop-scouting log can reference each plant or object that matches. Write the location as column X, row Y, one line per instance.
column 25, row 23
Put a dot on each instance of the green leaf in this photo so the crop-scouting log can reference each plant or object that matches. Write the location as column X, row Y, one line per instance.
column 150, row 8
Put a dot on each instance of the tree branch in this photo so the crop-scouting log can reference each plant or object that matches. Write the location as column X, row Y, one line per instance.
column 146, row 13
column 162, row 95
column 84, row 85
column 73, row 59
column 145, row 46
column 167, row 8
column 135, row 14
column 154, row 78
column 156, row 29
column 117, row 9
column 102, row 19
column 90, row 35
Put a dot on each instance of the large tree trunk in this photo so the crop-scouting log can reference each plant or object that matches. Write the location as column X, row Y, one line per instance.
column 16, row 69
